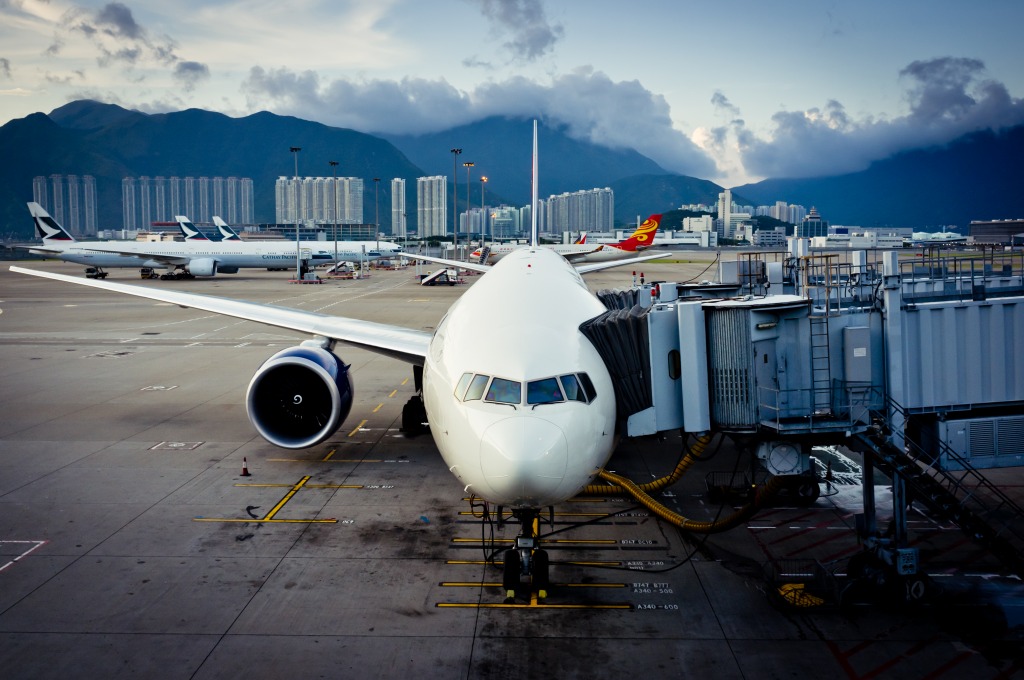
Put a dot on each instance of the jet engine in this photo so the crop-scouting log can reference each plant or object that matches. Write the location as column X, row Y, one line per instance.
column 299, row 397
column 204, row 266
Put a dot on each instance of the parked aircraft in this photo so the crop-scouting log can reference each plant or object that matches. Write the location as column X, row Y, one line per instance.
column 180, row 259
column 521, row 408
column 582, row 251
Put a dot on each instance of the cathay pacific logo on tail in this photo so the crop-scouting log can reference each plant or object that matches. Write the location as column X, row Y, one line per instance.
column 189, row 230
column 46, row 226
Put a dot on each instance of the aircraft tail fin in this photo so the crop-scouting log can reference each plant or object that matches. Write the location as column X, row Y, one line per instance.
column 534, row 203
column 190, row 231
column 226, row 232
column 643, row 237
column 46, row 227
column 581, row 239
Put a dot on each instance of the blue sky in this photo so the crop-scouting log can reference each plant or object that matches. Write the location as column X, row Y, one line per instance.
column 727, row 90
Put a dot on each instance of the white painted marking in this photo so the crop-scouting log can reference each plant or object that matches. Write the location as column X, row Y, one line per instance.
column 36, row 546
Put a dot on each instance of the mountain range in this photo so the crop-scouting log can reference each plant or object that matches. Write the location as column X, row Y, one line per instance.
column 975, row 177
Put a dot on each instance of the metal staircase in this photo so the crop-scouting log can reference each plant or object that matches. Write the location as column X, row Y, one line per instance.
column 965, row 497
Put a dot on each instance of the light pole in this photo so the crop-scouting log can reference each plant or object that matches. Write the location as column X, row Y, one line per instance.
column 298, row 252
column 455, row 200
column 468, row 164
column 376, row 213
column 334, row 218
column 483, row 211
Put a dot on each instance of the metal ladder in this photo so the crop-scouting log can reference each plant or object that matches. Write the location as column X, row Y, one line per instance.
column 821, row 372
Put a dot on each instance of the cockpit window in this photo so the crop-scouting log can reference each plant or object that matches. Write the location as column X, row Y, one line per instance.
column 460, row 389
column 588, row 386
column 504, row 391
column 544, row 391
column 476, row 387
column 572, row 388
column 568, row 387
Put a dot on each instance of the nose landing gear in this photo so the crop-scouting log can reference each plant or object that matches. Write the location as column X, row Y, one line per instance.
column 526, row 559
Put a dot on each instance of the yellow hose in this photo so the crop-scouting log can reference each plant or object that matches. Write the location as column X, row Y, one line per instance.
column 617, row 484
column 762, row 493
column 689, row 459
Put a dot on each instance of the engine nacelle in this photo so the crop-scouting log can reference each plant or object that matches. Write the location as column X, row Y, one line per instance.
column 300, row 397
column 203, row 266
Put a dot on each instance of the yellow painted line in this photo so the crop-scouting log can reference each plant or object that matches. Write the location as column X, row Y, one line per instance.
column 394, row 392
column 379, row 407
column 264, row 521
column 532, row 605
column 324, row 460
column 404, row 382
column 334, row 486
column 474, row 584
column 358, row 427
column 329, row 455
column 545, row 541
column 581, row 563
column 287, row 497
column 557, row 514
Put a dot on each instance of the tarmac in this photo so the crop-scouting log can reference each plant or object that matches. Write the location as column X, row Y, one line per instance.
column 134, row 544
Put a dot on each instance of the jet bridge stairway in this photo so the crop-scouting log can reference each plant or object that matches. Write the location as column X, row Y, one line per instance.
column 965, row 497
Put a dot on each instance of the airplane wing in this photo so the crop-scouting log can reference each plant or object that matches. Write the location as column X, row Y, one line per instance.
column 162, row 258
column 597, row 266
column 582, row 253
column 405, row 344
column 472, row 266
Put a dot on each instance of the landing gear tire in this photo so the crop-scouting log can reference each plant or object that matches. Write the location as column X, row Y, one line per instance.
column 510, row 575
column 413, row 417
column 541, row 582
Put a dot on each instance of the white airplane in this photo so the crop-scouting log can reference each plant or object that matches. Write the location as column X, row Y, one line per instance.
column 521, row 408
column 181, row 259
column 582, row 251
column 340, row 251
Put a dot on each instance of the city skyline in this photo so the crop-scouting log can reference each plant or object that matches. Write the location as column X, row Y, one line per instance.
column 731, row 92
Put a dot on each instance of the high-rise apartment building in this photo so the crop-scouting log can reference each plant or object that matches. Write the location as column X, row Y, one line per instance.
column 398, row 215
column 70, row 199
column 318, row 200
column 592, row 210
column 432, row 205
column 145, row 200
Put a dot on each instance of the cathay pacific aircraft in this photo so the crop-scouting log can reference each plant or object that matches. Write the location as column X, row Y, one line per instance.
column 180, row 259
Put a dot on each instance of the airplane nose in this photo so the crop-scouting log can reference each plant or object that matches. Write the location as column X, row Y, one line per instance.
column 524, row 459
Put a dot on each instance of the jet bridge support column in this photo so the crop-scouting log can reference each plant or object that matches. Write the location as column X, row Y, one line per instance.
column 893, row 332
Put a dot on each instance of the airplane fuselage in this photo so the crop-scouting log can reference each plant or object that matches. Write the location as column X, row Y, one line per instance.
column 253, row 254
column 515, row 334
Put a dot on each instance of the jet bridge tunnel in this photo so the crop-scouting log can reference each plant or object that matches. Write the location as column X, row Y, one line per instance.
column 912, row 362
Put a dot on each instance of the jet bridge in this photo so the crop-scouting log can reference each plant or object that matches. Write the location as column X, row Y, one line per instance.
column 914, row 362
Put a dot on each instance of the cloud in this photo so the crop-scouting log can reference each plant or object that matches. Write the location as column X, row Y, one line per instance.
column 947, row 97
column 723, row 105
column 116, row 35
column 116, row 20
column 532, row 36
column 5, row 67
column 588, row 103
column 190, row 74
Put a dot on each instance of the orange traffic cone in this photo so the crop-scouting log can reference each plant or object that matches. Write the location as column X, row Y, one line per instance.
column 245, row 468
